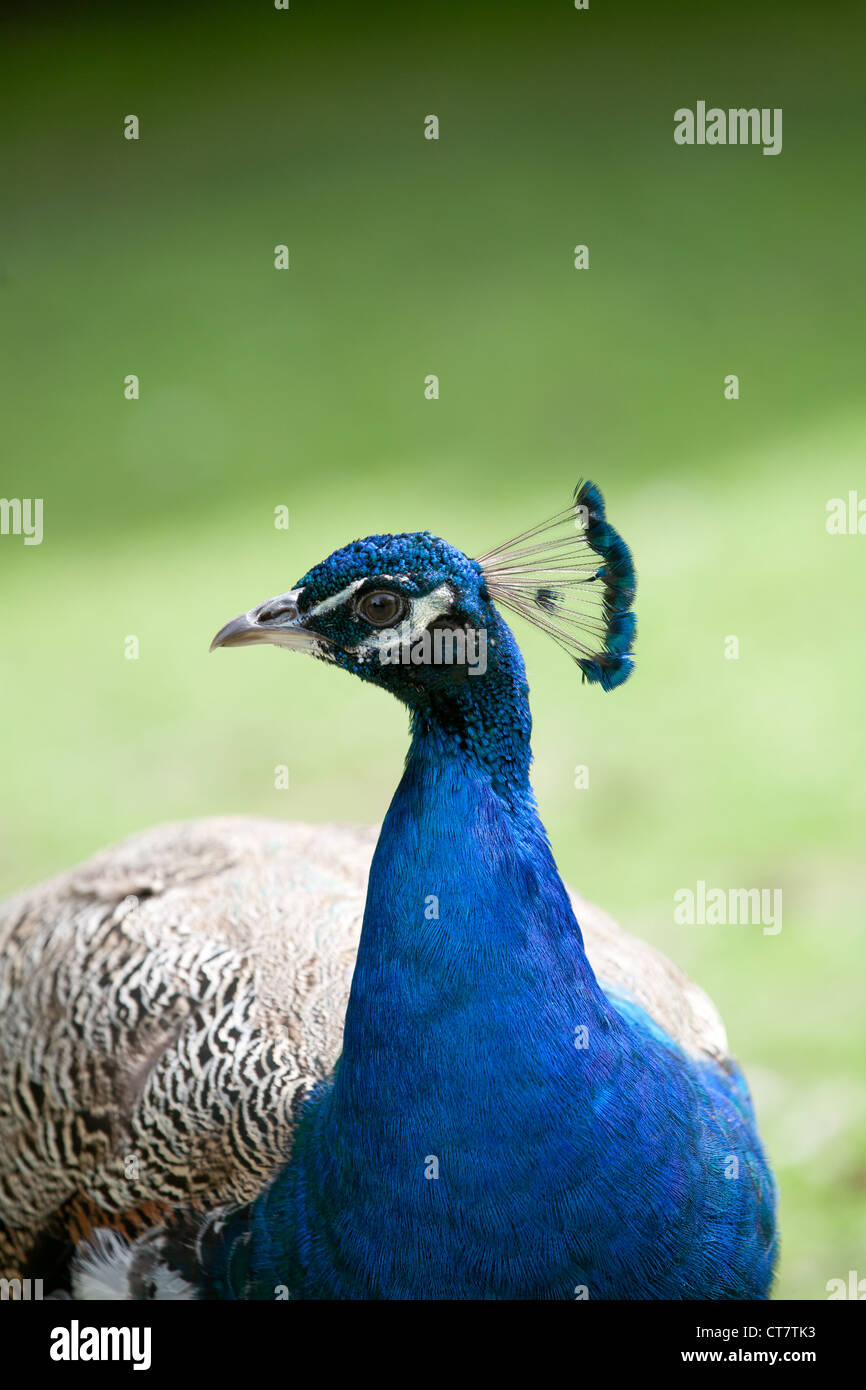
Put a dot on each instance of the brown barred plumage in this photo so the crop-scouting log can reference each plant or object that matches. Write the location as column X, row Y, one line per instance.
column 165, row 1007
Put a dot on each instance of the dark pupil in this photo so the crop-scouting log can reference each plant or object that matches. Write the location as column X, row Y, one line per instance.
column 381, row 608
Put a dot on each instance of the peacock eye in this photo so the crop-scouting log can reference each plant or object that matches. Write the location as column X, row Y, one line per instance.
column 381, row 607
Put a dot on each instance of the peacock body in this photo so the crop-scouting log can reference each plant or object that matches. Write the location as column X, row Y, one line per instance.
column 520, row 1108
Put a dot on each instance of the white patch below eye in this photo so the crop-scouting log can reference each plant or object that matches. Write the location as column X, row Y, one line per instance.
column 422, row 612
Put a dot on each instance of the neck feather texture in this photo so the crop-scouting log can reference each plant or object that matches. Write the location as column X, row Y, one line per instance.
column 459, row 1043
column 467, row 1148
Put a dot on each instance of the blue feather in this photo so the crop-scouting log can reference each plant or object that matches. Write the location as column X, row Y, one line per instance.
column 465, row 1146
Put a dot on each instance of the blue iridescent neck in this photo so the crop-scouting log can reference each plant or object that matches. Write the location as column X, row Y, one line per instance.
column 470, row 982
column 480, row 726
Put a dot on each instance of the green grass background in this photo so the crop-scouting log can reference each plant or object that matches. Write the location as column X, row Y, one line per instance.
column 305, row 388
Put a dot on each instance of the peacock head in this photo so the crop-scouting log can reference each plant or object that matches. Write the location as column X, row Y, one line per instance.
column 418, row 617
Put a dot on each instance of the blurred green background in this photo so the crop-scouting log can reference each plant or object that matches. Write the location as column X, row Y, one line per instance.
column 304, row 388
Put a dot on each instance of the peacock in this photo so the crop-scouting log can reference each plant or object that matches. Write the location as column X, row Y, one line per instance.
column 246, row 1059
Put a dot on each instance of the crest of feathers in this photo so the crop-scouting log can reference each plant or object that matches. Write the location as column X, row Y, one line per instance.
column 573, row 577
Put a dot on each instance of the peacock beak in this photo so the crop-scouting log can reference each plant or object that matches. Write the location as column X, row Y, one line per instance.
column 276, row 621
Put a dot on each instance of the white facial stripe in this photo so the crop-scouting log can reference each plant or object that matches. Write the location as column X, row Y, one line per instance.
column 422, row 612
column 335, row 600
